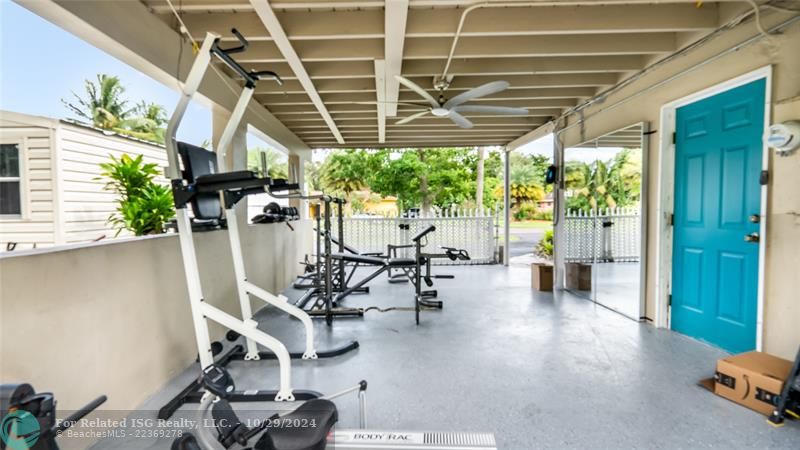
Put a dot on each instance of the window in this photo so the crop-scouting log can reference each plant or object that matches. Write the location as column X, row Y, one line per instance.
column 10, row 182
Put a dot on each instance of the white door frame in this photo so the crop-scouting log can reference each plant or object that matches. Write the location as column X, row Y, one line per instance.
column 666, row 189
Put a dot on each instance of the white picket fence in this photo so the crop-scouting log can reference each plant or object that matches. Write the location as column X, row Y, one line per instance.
column 473, row 230
column 610, row 235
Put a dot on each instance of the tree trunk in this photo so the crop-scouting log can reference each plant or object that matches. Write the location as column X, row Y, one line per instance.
column 479, row 183
column 424, row 189
column 427, row 201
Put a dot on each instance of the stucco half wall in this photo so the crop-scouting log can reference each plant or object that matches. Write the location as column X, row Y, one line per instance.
column 113, row 318
column 781, row 335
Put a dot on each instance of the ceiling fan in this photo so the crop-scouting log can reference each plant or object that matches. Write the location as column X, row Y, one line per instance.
column 453, row 107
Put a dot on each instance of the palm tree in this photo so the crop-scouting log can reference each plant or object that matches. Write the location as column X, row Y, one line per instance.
column 604, row 184
column 147, row 122
column 344, row 172
column 277, row 164
column 312, row 171
column 103, row 104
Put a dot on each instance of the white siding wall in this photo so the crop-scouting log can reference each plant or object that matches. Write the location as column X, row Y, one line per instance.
column 35, row 226
column 85, row 205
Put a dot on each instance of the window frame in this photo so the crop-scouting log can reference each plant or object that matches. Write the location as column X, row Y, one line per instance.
column 21, row 179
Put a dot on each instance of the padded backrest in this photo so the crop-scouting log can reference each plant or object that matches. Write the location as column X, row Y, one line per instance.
column 198, row 161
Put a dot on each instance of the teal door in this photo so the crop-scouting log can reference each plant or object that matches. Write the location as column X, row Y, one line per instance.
column 718, row 148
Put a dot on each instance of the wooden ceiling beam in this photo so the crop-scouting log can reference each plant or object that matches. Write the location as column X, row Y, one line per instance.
column 442, row 22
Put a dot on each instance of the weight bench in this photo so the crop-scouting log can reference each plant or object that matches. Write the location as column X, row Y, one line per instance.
column 411, row 267
column 383, row 265
column 340, row 284
column 451, row 253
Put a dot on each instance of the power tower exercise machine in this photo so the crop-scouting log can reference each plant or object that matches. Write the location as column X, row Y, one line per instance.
column 209, row 188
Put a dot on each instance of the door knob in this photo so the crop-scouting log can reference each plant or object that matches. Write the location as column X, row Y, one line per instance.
column 752, row 237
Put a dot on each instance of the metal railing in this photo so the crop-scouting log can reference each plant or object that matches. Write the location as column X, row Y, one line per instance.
column 474, row 230
column 610, row 235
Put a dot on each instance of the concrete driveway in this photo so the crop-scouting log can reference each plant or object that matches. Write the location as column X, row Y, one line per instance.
column 523, row 240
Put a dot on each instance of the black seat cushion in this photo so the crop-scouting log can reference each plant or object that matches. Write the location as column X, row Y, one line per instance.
column 306, row 428
column 197, row 162
column 401, row 262
column 361, row 259
column 186, row 442
column 237, row 175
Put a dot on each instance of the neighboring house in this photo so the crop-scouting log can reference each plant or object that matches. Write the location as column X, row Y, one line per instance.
column 386, row 206
column 546, row 204
column 49, row 191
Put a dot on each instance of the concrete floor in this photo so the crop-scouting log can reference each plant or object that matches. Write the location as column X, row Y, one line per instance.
column 539, row 370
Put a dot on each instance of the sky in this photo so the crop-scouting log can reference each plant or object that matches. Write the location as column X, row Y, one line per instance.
column 28, row 85
column 544, row 146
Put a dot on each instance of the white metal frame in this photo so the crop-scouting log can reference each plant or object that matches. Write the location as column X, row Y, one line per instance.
column 22, row 179
column 202, row 310
column 244, row 287
column 666, row 189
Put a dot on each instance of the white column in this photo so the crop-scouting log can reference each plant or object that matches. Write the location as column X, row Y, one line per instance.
column 506, row 205
column 559, row 213
column 297, row 162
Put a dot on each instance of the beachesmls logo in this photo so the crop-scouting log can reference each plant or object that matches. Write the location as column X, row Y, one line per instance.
column 20, row 430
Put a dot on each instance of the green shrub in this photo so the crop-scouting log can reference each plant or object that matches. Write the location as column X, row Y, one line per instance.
column 126, row 176
column 357, row 205
column 544, row 247
column 526, row 211
column 144, row 206
column 543, row 215
column 145, row 213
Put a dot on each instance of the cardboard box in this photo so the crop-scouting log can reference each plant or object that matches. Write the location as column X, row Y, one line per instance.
column 579, row 276
column 542, row 276
column 752, row 379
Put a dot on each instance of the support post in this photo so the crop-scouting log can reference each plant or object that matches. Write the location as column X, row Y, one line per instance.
column 559, row 213
column 297, row 175
column 506, row 204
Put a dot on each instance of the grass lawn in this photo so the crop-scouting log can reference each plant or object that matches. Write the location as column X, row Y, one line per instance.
column 540, row 224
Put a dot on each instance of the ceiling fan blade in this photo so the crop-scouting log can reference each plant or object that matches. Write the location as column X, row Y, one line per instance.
column 505, row 110
column 414, row 87
column 460, row 120
column 420, row 105
column 480, row 91
column 411, row 117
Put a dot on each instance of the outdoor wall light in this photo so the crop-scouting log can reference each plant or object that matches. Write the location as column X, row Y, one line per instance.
column 784, row 137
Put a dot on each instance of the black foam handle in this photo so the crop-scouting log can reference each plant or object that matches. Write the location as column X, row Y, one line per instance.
column 424, row 232
column 81, row 413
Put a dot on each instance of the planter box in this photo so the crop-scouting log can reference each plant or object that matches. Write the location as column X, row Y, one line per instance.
column 542, row 276
column 579, row 276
